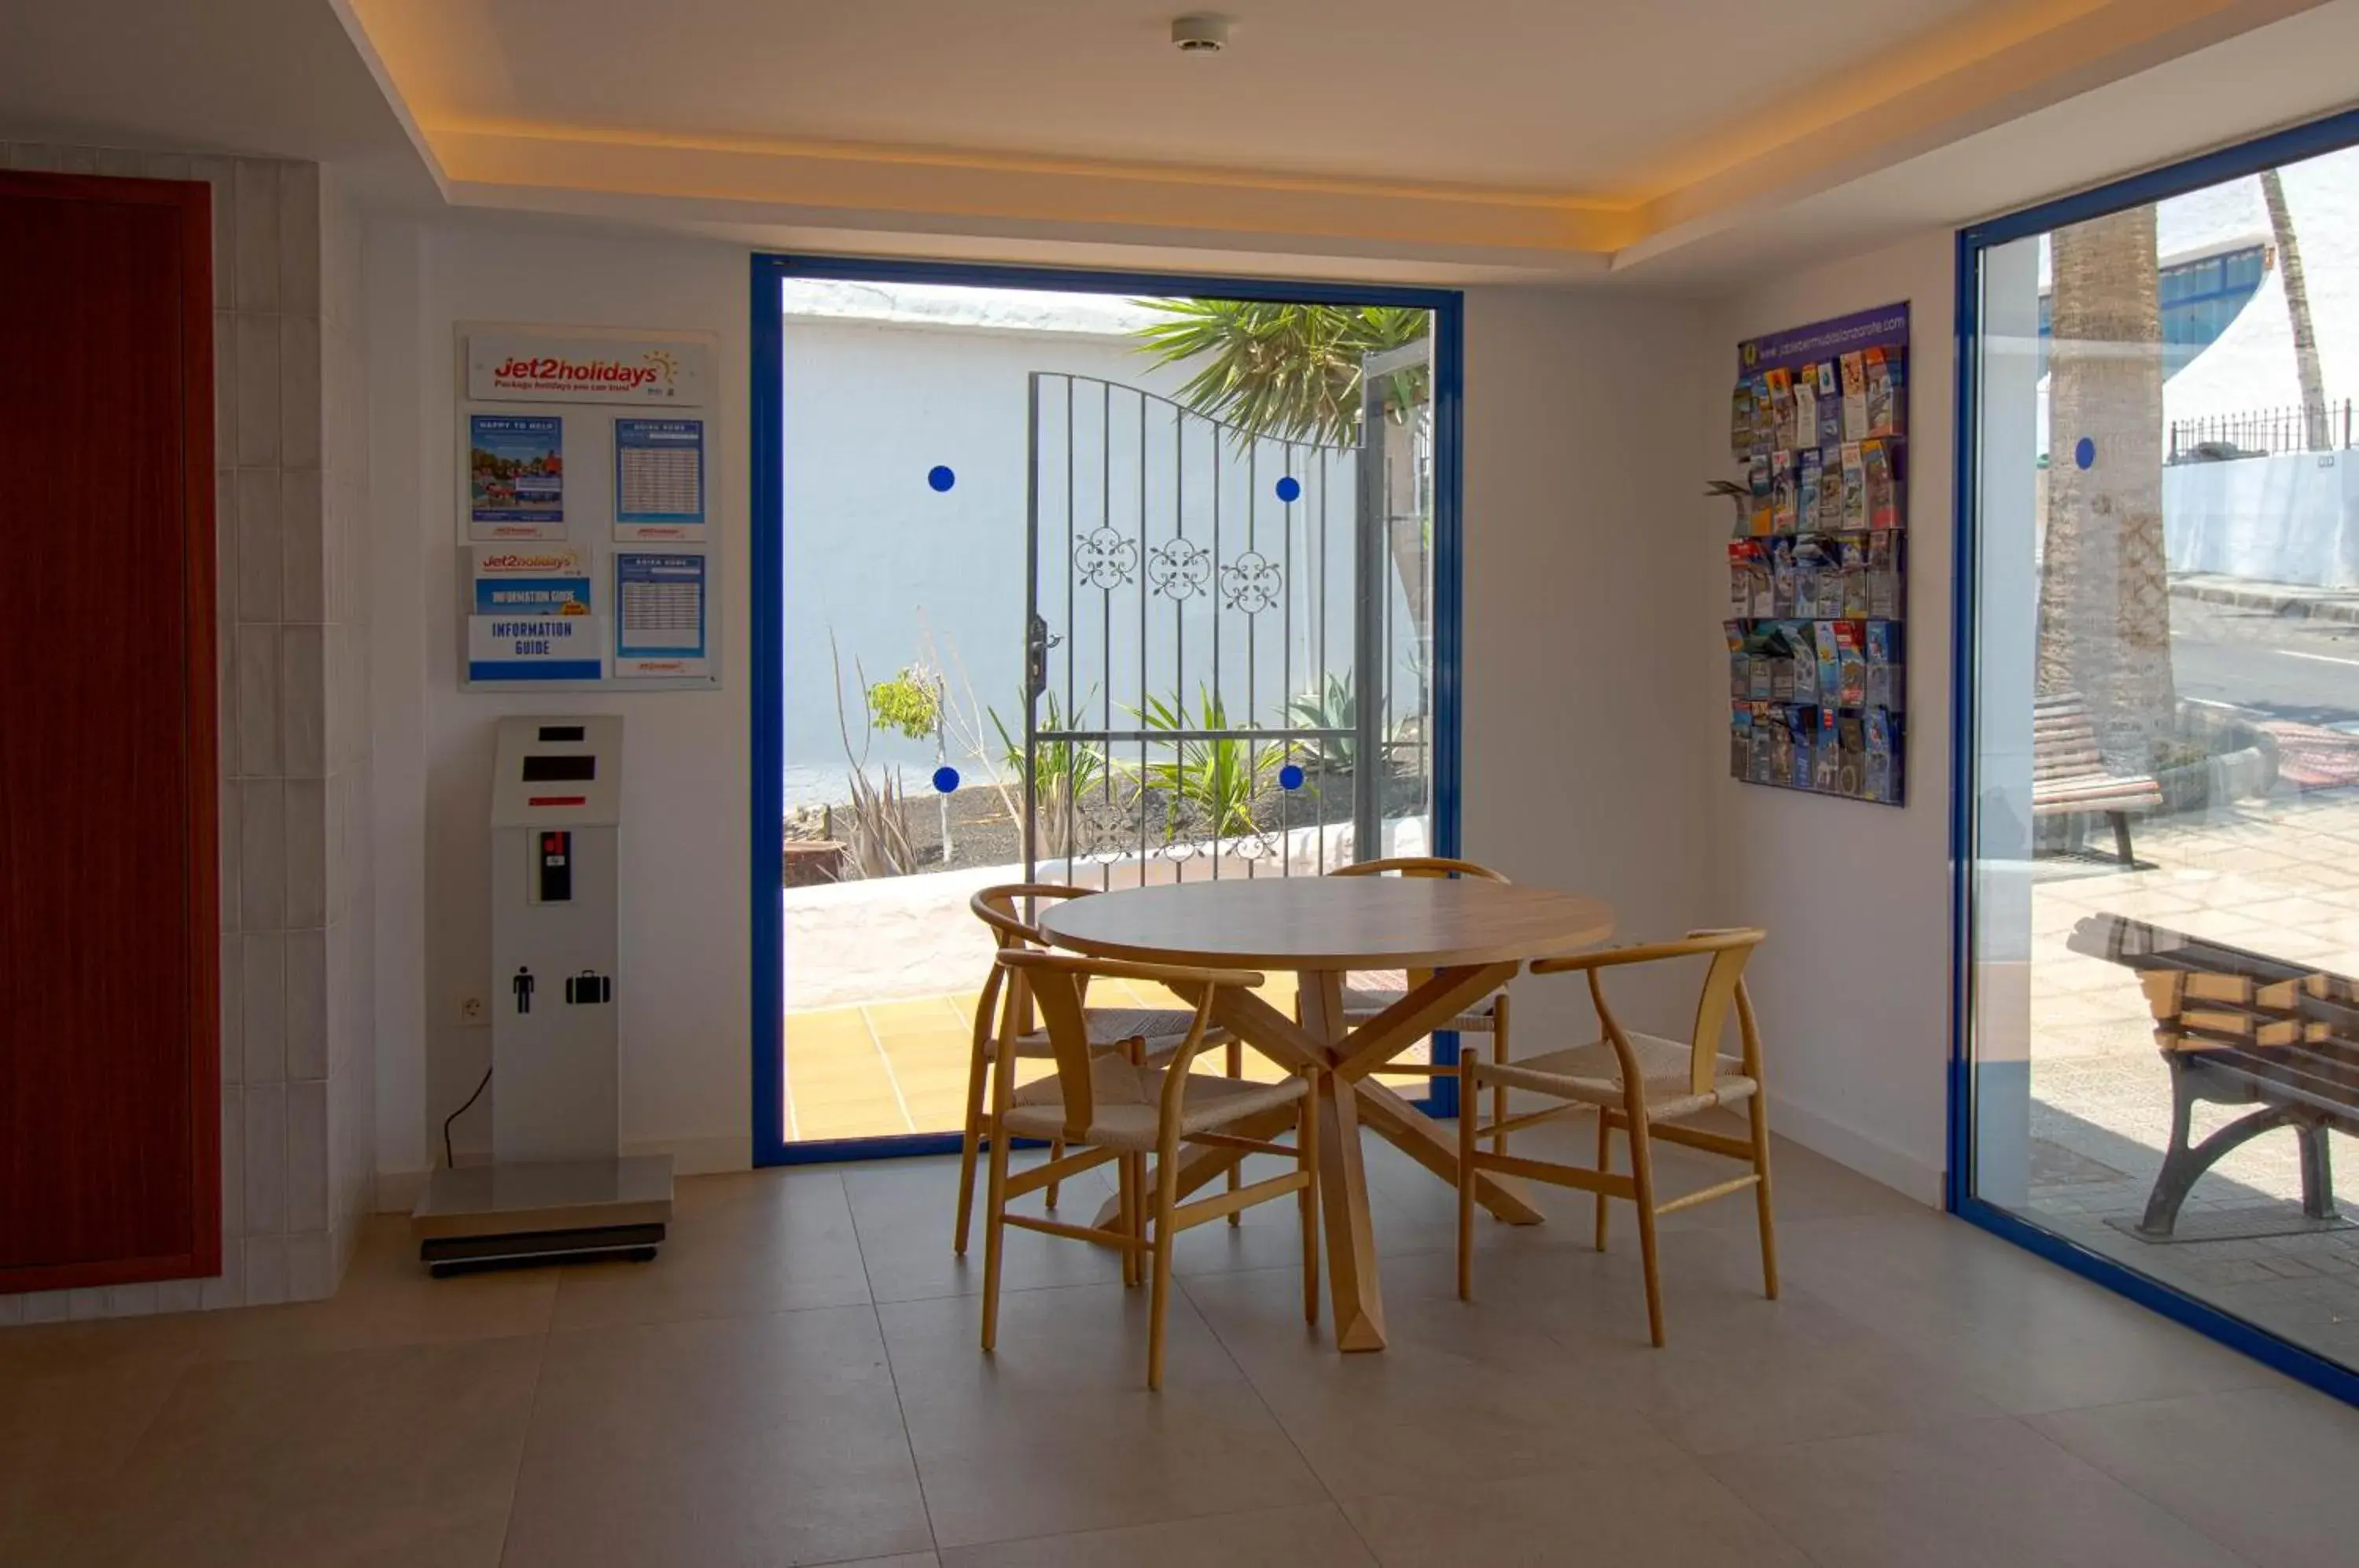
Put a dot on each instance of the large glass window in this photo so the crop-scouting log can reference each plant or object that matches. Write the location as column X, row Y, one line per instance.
column 2164, row 747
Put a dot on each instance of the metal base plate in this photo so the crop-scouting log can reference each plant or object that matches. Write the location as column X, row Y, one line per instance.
column 479, row 1217
column 473, row 1254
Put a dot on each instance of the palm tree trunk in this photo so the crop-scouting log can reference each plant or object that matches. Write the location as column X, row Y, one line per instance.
column 2104, row 599
column 2305, row 332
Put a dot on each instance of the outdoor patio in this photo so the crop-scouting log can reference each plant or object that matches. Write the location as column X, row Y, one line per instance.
column 2281, row 877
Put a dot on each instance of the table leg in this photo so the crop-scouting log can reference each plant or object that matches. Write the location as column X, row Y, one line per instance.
column 1343, row 1179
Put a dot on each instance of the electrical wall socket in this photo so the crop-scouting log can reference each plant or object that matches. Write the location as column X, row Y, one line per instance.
column 471, row 1010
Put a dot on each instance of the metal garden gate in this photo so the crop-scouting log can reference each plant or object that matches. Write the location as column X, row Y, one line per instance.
column 1226, row 644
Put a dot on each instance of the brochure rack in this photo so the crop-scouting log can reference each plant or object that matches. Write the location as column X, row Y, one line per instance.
column 1818, row 563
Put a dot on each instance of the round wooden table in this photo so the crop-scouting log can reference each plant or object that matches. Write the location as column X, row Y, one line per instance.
column 1460, row 939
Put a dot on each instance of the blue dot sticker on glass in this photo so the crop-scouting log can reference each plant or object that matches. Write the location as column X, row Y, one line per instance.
column 946, row 779
column 2084, row 453
column 1289, row 489
column 941, row 476
column 1290, row 777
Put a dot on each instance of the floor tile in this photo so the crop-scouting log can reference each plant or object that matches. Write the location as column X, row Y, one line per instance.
column 720, row 1443
column 1315, row 1535
column 905, row 1216
column 1055, row 1431
column 1969, row 1495
column 388, row 1298
column 2265, row 1471
column 2026, row 1335
column 1739, row 1370
column 1017, row 1464
column 386, row 1456
column 1459, row 1393
column 755, row 1242
column 1664, row 1515
column 75, row 1401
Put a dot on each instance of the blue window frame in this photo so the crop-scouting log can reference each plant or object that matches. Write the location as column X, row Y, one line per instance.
column 769, row 272
column 2329, row 134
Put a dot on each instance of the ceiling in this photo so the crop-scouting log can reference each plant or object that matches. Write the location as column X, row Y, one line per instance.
column 1674, row 141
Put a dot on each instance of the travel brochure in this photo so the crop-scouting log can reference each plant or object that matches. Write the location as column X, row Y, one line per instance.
column 1818, row 559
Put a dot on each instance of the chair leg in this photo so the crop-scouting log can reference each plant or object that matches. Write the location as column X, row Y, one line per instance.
column 1642, row 1174
column 1758, row 1114
column 970, row 1142
column 1167, row 1197
column 1306, row 1160
column 1127, row 1168
column 1055, row 1152
column 1605, row 1168
column 1236, row 1065
column 995, row 1229
column 1499, row 1090
column 1469, row 1089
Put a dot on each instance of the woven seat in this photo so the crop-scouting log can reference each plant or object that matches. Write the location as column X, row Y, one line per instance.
column 1158, row 1031
column 1160, row 1028
column 1641, row 1086
column 1593, row 1073
column 1101, row 1107
column 1126, row 1101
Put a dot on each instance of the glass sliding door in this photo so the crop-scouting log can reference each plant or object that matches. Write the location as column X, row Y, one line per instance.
column 2160, row 778
column 1068, row 578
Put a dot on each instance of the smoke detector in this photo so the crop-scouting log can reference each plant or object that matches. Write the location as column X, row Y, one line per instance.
column 1200, row 33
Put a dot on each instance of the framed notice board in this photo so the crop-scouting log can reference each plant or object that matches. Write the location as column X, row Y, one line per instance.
column 588, row 516
column 1817, row 559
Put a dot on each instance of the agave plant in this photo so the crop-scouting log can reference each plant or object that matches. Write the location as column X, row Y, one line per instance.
column 1213, row 782
column 1333, row 705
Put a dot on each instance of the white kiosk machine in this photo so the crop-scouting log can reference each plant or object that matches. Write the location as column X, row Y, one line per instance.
column 558, row 1187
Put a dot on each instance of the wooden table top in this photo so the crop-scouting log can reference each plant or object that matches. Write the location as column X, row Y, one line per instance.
column 1329, row 922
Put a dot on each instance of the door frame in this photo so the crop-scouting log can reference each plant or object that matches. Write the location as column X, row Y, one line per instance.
column 768, row 608
column 2331, row 133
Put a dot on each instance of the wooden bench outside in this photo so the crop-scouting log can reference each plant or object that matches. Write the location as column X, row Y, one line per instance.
column 2238, row 1027
column 2069, row 776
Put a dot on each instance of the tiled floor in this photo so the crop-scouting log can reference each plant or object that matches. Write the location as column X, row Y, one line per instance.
column 797, row 1380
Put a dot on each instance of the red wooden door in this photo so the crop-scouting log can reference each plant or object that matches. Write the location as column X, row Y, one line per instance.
column 110, row 1097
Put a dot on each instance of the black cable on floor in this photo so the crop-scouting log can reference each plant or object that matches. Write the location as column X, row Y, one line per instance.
column 448, row 1157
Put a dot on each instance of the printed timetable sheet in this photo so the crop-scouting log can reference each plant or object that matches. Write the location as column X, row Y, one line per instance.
column 659, row 616
column 659, row 479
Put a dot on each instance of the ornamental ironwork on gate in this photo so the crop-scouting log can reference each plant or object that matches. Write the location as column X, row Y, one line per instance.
column 1211, row 691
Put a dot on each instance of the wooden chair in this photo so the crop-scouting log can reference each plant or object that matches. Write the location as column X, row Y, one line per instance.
column 1644, row 1086
column 1158, row 1031
column 1486, row 1017
column 1113, row 1108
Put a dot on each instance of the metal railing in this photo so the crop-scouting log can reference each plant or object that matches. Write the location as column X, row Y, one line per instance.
column 2263, row 432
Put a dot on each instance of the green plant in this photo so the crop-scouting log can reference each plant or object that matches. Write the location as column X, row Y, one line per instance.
column 1063, row 771
column 1283, row 370
column 910, row 702
column 1219, row 777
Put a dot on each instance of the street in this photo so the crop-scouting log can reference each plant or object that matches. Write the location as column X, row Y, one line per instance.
column 2273, row 667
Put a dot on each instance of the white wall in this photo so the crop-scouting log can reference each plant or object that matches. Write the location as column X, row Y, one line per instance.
column 1581, row 741
column 1853, row 984
column 684, row 991
column 1582, row 750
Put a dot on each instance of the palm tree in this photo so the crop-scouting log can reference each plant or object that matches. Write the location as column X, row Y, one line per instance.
column 2315, row 435
column 2104, row 600
column 1291, row 372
